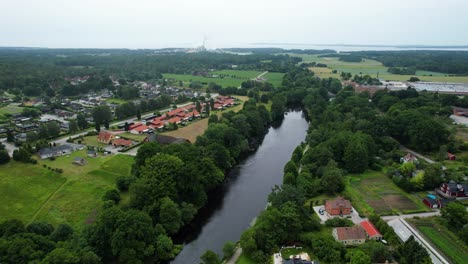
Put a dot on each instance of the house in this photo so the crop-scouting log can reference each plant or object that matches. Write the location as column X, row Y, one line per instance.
column 140, row 129
column 21, row 137
column 133, row 126
column 350, row 236
column 23, row 128
column 409, row 158
column 165, row 140
column 432, row 202
column 60, row 150
column 79, row 161
column 92, row 153
column 451, row 156
column 453, row 189
column 372, row 232
column 298, row 261
column 121, row 142
column 338, row 206
column 105, row 137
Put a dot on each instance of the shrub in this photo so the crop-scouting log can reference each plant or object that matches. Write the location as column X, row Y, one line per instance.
column 123, row 182
column 112, row 195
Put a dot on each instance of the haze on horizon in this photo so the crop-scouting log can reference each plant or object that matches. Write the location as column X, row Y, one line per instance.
column 184, row 23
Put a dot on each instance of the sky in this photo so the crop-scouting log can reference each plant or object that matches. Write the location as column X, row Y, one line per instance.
column 230, row 23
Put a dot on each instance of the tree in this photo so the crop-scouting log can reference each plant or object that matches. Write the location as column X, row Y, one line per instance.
column 40, row 228
column 81, row 121
column 106, row 124
column 198, row 106
column 73, row 127
column 4, row 156
column 356, row 156
column 332, row 178
column 22, row 154
column 101, row 114
column 170, row 216
column 228, row 249
column 455, row 214
column 97, row 126
column 10, row 136
column 43, row 132
column 412, row 252
column 138, row 114
column 61, row 255
column 123, row 182
column 62, row 232
column 112, row 195
column 207, row 109
column 209, row 257
column 213, row 119
column 212, row 103
column 164, row 247
column 126, row 126
column 358, row 257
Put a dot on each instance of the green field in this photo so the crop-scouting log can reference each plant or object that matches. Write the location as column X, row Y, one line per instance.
column 10, row 109
column 443, row 239
column 32, row 192
column 372, row 67
column 374, row 192
column 226, row 78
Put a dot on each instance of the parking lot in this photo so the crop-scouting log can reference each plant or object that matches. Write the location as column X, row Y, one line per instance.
column 354, row 216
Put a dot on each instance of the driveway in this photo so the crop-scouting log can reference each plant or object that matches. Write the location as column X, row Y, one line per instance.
column 353, row 217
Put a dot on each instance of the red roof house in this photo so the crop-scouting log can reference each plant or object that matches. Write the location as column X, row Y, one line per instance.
column 451, row 156
column 372, row 232
column 139, row 129
column 350, row 235
column 121, row 142
column 133, row 126
column 338, row 206
column 105, row 137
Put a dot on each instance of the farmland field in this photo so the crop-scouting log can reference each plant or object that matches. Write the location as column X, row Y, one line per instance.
column 443, row 239
column 374, row 192
column 371, row 67
column 226, row 78
column 33, row 192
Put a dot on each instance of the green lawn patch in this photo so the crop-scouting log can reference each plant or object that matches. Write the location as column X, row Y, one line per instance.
column 24, row 188
column 244, row 259
column 10, row 109
column 372, row 67
column 225, row 78
column 373, row 192
column 443, row 239
column 33, row 192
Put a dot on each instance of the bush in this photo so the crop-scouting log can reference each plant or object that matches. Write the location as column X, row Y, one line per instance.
column 339, row 222
column 112, row 195
column 123, row 182
column 52, row 158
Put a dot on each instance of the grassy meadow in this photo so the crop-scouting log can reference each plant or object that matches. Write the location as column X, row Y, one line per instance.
column 371, row 67
column 226, row 78
column 33, row 192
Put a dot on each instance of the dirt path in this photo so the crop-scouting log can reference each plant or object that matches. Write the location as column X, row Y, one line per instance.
column 47, row 200
column 235, row 257
column 416, row 154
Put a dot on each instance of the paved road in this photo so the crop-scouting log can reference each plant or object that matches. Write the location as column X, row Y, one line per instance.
column 393, row 217
column 405, row 230
column 416, row 154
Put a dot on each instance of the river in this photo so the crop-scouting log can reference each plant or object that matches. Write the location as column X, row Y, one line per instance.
column 244, row 195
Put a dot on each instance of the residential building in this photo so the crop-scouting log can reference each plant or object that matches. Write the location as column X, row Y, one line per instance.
column 409, row 158
column 121, row 142
column 60, row 150
column 453, row 189
column 105, row 137
column 350, row 236
column 371, row 230
column 451, row 156
column 338, row 206
column 79, row 161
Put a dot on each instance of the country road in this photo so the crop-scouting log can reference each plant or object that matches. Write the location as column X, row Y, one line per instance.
column 416, row 154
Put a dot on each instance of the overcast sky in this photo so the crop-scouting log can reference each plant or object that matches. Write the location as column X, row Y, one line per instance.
column 230, row 23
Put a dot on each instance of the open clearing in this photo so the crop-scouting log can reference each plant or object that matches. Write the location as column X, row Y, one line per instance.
column 197, row 128
column 441, row 238
column 372, row 67
column 373, row 191
column 226, row 78
column 32, row 192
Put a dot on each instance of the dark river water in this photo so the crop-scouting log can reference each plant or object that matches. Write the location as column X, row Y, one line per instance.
column 244, row 195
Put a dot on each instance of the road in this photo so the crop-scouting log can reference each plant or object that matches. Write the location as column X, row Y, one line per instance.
column 235, row 256
column 405, row 230
column 416, row 154
column 393, row 217
column 263, row 73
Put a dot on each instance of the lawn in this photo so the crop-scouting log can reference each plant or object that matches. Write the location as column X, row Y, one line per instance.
column 443, row 239
column 244, row 259
column 134, row 137
column 33, row 192
column 24, row 188
column 116, row 101
column 373, row 192
column 11, row 109
column 226, row 78
column 371, row 67
column 198, row 127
